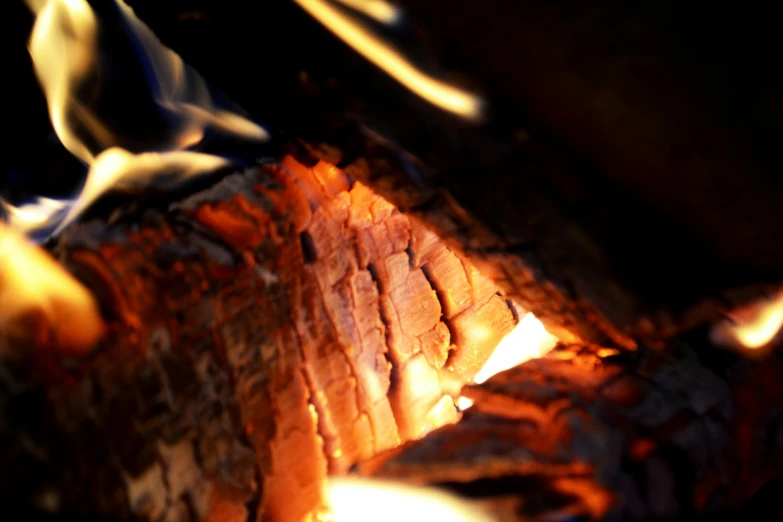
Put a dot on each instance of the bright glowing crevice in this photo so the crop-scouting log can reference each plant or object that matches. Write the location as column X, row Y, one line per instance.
column 463, row 403
column 360, row 500
column 441, row 94
column 33, row 285
column 78, row 57
column 528, row 340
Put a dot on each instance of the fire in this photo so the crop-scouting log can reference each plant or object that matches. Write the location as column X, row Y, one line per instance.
column 436, row 92
column 81, row 58
column 752, row 327
column 379, row 10
column 528, row 340
column 463, row 403
column 359, row 500
column 35, row 286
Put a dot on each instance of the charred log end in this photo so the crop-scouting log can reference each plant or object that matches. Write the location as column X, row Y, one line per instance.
column 607, row 435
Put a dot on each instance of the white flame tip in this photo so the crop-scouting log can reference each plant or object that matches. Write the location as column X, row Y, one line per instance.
column 354, row 499
column 463, row 403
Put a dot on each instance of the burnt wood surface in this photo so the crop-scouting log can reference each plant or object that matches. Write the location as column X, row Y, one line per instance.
column 624, row 185
column 283, row 323
column 276, row 326
column 590, row 433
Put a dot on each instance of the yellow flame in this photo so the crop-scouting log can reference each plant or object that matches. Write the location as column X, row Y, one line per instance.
column 528, row 340
column 70, row 61
column 119, row 169
column 361, row 500
column 32, row 283
column 438, row 93
column 62, row 45
column 757, row 326
column 378, row 10
column 764, row 329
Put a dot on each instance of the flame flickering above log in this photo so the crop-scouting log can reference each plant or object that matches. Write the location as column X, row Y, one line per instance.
column 444, row 95
column 379, row 10
column 122, row 103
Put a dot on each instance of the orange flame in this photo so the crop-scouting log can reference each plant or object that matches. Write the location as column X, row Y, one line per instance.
column 359, row 500
column 32, row 284
column 379, row 10
column 72, row 62
column 752, row 327
column 441, row 94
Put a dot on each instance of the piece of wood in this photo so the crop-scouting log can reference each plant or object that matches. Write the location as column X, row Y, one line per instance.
column 605, row 191
column 599, row 434
column 261, row 332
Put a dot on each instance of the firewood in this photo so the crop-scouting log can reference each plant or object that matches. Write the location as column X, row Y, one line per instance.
column 260, row 333
column 613, row 209
column 599, row 434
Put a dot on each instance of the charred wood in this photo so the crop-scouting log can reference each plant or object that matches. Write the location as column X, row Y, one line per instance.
column 265, row 331
column 596, row 434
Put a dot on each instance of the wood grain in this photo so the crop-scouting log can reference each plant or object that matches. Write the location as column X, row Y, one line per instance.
column 263, row 332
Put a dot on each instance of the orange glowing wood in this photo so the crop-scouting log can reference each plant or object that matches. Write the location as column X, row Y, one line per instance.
column 286, row 323
column 262, row 333
column 622, row 206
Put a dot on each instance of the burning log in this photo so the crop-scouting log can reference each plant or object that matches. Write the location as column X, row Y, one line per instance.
column 278, row 326
column 604, row 218
column 262, row 330
column 283, row 324
column 595, row 433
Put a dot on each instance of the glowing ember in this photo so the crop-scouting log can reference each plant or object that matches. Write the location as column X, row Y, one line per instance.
column 89, row 105
column 436, row 92
column 463, row 403
column 34, row 286
column 751, row 327
column 360, row 500
column 528, row 340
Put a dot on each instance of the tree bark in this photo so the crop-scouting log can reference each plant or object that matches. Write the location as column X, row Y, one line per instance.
column 264, row 331
column 598, row 434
